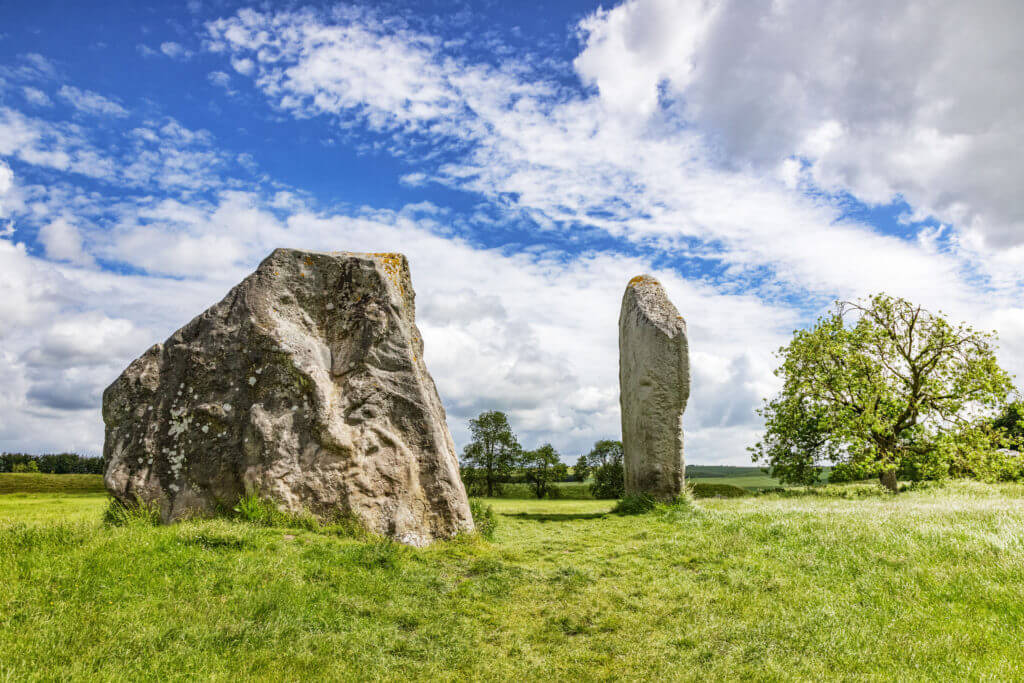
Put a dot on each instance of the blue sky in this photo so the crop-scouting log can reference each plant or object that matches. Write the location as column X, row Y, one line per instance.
column 761, row 161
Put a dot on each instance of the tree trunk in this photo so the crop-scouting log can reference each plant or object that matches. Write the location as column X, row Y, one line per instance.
column 888, row 479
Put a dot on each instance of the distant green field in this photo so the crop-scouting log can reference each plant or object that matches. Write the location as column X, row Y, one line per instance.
column 50, row 483
column 706, row 471
column 569, row 489
column 750, row 478
column 745, row 477
column 751, row 482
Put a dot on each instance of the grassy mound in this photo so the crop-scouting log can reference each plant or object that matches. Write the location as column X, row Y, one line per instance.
column 702, row 490
column 50, row 483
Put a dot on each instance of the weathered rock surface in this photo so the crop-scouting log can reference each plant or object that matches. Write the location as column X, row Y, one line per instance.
column 306, row 385
column 654, row 385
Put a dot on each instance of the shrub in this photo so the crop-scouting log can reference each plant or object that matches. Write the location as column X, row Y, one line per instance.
column 475, row 481
column 483, row 518
column 25, row 467
column 581, row 470
column 717, row 491
column 554, row 492
column 609, row 481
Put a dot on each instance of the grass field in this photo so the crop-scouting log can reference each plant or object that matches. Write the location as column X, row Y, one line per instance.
column 50, row 483
column 751, row 482
column 923, row 585
column 749, row 478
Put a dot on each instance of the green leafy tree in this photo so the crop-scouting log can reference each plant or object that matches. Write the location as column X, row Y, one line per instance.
column 1010, row 422
column 542, row 467
column 883, row 384
column 581, row 470
column 474, row 479
column 605, row 452
column 609, row 482
column 609, row 476
column 494, row 450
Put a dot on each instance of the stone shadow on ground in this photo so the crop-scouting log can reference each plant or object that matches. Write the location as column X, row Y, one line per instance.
column 554, row 516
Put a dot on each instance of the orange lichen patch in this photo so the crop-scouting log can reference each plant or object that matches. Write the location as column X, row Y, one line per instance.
column 392, row 264
column 309, row 260
column 640, row 279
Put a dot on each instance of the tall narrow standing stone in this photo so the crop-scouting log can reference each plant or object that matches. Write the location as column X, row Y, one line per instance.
column 306, row 386
column 654, row 384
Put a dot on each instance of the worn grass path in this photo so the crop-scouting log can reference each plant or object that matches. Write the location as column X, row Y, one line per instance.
column 923, row 585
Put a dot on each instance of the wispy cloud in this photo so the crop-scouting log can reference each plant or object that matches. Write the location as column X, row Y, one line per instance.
column 36, row 97
column 568, row 159
column 153, row 154
column 89, row 102
column 653, row 161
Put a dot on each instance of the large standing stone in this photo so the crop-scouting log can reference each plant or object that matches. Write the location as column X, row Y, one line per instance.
column 306, row 385
column 654, row 384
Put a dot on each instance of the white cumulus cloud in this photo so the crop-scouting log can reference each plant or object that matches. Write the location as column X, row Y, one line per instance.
column 175, row 50
column 920, row 101
column 63, row 242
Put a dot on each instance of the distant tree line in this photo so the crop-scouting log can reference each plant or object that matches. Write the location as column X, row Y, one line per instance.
column 51, row 463
column 495, row 458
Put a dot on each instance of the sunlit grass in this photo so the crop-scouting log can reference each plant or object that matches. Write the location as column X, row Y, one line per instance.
column 922, row 585
column 50, row 483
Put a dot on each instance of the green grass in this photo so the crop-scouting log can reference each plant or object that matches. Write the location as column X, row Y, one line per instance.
column 925, row 585
column 50, row 483
column 751, row 482
column 575, row 490
column 51, row 507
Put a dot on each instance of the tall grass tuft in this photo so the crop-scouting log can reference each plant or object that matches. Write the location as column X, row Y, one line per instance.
column 121, row 515
column 634, row 504
column 641, row 503
column 484, row 519
column 259, row 511
column 264, row 512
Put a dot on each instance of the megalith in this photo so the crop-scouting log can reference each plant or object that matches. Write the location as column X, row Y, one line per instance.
column 654, row 385
column 306, row 386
